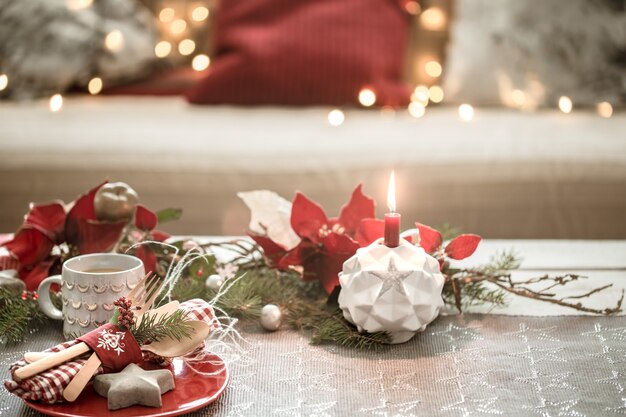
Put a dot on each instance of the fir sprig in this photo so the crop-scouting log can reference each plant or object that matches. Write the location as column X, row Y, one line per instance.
column 491, row 282
column 17, row 316
column 334, row 328
column 462, row 291
column 303, row 303
column 155, row 327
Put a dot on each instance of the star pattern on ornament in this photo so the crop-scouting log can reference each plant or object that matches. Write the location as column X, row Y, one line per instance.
column 468, row 406
column 392, row 278
column 542, row 382
column 536, row 355
column 526, row 333
column 554, row 409
column 616, row 380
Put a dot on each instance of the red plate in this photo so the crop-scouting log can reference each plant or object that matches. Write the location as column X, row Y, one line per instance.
column 193, row 391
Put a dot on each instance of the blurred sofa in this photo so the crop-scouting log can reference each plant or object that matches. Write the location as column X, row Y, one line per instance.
column 505, row 174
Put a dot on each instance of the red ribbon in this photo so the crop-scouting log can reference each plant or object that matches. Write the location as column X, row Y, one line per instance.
column 116, row 348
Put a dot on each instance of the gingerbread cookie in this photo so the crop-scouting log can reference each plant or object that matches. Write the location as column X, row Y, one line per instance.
column 134, row 386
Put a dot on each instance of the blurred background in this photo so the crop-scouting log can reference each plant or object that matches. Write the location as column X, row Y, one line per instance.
column 500, row 117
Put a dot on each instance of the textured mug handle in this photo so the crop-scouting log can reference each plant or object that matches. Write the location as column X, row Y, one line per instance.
column 45, row 304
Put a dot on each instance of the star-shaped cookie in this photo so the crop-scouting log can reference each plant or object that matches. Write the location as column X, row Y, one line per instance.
column 134, row 386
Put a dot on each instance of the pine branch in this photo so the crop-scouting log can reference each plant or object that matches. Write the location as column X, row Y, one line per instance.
column 154, row 327
column 498, row 273
column 305, row 303
column 17, row 316
column 472, row 294
column 336, row 329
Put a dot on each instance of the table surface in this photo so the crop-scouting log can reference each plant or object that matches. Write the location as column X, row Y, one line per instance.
column 461, row 365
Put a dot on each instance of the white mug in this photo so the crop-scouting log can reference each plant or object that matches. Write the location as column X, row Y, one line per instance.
column 89, row 286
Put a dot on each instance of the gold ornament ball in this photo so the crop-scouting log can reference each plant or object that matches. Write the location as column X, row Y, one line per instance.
column 271, row 317
column 115, row 201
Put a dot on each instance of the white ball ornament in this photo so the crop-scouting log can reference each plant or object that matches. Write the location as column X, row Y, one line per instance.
column 395, row 290
column 214, row 282
column 271, row 317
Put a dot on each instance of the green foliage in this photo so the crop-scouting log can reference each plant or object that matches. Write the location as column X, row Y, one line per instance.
column 448, row 231
column 328, row 326
column 246, row 296
column 303, row 304
column 187, row 288
column 169, row 214
column 477, row 292
column 202, row 267
column 336, row 329
column 502, row 263
column 154, row 327
column 17, row 316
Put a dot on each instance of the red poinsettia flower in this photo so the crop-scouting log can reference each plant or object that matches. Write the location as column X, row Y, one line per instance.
column 45, row 226
column 159, row 236
column 272, row 251
column 323, row 259
column 148, row 257
column 33, row 242
column 326, row 243
column 146, row 220
column 369, row 231
column 458, row 248
column 32, row 275
column 85, row 231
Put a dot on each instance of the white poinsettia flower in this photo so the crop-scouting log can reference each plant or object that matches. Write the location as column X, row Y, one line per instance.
column 270, row 216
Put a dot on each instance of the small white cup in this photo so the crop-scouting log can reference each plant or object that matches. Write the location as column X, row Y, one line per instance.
column 89, row 286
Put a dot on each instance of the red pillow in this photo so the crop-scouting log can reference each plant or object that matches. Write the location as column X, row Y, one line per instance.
column 306, row 52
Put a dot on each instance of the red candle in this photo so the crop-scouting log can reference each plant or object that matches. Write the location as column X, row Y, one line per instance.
column 392, row 219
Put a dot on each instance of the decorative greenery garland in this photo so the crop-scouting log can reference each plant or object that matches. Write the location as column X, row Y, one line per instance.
column 268, row 272
column 305, row 305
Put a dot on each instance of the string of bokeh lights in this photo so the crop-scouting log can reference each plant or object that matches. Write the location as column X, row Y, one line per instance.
column 176, row 25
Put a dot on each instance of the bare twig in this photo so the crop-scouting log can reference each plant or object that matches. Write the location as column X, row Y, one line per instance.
column 520, row 288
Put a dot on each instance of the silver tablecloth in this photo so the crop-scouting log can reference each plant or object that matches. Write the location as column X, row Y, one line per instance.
column 460, row 366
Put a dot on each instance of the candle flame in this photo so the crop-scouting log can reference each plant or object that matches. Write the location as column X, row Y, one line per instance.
column 391, row 193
